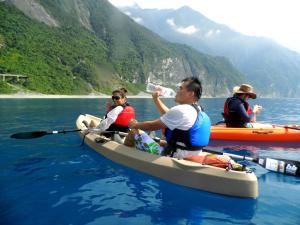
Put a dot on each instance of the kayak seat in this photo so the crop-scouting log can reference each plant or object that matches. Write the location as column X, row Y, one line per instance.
column 221, row 161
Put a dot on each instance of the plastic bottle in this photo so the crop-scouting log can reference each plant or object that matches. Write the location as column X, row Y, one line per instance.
column 163, row 91
column 153, row 88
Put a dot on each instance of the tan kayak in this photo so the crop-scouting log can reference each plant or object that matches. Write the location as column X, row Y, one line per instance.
column 182, row 172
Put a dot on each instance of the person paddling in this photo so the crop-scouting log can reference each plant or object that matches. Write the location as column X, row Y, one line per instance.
column 237, row 111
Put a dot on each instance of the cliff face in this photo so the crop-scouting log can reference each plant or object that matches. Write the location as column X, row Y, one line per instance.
column 93, row 44
column 34, row 10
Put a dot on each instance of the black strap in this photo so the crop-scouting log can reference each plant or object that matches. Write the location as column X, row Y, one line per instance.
column 170, row 150
column 191, row 148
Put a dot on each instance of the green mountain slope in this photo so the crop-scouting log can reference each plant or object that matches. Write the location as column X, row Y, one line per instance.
column 94, row 48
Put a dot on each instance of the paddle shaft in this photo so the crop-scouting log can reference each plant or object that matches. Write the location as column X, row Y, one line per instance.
column 37, row 134
column 63, row 131
column 293, row 128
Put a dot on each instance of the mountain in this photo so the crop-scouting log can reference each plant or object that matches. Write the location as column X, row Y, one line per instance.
column 263, row 62
column 89, row 46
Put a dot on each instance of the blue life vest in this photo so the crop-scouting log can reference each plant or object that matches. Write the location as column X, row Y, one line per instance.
column 193, row 139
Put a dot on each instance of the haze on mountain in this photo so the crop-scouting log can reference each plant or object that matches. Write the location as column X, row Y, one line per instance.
column 272, row 69
column 89, row 46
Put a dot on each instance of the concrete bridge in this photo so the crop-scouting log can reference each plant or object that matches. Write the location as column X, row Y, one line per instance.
column 13, row 75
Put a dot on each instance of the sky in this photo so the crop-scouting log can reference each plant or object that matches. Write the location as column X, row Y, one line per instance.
column 275, row 19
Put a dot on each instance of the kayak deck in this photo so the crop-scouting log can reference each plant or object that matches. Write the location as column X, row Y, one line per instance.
column 182, row 172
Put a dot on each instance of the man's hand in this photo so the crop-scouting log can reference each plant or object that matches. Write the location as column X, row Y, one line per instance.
column 155, row 94
column 132, row 124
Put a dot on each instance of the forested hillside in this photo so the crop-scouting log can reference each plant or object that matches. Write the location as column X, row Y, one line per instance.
column 82, row 47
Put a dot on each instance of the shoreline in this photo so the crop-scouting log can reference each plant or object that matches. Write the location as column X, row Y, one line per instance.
column 41, row 96
column 90, row 96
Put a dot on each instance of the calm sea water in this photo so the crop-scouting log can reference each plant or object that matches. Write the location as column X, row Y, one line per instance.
column 54, row 180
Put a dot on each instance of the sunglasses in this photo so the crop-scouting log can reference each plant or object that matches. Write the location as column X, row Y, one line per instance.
column 115, row 97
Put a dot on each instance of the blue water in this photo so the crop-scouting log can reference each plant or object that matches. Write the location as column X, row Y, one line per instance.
column 54, row 180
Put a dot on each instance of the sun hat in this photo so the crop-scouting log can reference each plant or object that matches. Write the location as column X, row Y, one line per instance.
column 235, row 89
column 246, row 89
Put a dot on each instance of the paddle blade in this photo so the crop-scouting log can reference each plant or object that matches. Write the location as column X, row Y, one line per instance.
column 285, row 166
column 29, row 135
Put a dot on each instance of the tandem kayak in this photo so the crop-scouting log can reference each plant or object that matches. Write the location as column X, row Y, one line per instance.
column 178, row 171
column 259, row 132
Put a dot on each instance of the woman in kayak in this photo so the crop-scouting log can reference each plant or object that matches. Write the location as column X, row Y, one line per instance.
column 237, row 111
column 119, row 113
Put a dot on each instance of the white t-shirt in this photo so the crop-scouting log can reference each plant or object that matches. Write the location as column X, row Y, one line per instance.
column 181, row 117
column 112, row 116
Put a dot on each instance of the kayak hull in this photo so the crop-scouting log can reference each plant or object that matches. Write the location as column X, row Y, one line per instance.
column 261, row 133
column 181, row 172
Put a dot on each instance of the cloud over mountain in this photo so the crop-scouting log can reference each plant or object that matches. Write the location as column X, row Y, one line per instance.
column 191, row 29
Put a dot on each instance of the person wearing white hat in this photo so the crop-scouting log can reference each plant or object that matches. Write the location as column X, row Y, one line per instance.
column 237, row 111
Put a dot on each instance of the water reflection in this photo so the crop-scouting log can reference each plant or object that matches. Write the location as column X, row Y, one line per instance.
column 136, row 198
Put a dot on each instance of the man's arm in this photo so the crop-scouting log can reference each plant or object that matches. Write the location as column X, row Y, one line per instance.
column 161, row 107
column 147, row 125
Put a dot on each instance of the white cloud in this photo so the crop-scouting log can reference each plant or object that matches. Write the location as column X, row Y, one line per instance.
column 185, row 30
column 212, row 33
column 188, row 30
column 171, row 23
column 137, row 20
column 209, row 33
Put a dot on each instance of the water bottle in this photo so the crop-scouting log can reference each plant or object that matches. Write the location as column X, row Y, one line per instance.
column 151, row 88
column 163, row 91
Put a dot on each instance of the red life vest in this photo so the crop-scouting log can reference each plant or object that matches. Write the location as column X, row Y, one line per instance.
column 125, row 116
column 232, row 118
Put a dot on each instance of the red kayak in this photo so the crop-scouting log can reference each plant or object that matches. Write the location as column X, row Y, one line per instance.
column 259, row 132
column 273, row 135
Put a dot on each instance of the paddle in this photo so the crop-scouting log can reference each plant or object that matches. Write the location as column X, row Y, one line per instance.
column 284, row 166
column 37, row 134
column 288, row 127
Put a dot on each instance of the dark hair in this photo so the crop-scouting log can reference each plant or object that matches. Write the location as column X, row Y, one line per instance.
column 124, row 90
column 121, row 91
column 194, row 85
